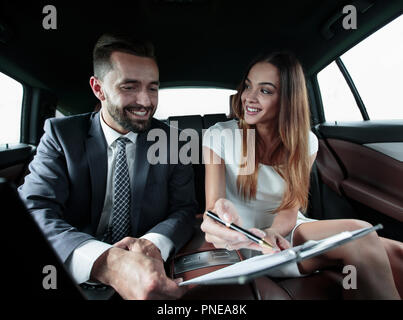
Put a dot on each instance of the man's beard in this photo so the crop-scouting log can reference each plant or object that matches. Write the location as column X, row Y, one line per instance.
column 120, row 116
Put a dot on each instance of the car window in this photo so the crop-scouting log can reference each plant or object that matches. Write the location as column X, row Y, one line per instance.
column 11, row 93
column 375, row 66
column 337, row 98
column 190, row 101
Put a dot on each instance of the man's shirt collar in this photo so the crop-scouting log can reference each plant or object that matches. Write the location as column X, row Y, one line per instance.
column 112, row 135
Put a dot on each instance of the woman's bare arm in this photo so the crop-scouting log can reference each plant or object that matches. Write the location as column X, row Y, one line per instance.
column 219, row 235
column 214, row 178
column 285, row 220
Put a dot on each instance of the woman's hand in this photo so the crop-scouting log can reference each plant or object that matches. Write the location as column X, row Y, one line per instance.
column 223, row 237
column 276, row 240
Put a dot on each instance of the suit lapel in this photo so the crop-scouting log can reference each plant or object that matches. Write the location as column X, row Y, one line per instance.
column 96, row 151
column 141, row 169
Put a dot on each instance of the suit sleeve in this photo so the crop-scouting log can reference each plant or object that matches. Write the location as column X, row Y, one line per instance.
column 45, row 192
column 182, row 207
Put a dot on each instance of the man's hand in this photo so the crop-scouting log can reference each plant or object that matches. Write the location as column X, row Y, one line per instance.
column 135, row 276
column 141, row 246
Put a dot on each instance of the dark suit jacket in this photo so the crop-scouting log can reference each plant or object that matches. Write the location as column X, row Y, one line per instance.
column 65, row 189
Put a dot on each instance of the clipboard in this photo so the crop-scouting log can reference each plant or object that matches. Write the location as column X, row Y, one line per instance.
column 247, row 270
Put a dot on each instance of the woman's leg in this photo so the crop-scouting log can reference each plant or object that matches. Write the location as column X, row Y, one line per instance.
column 367, row 255
column 394, row 249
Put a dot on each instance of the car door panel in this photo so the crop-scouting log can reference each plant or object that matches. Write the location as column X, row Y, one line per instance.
column 391, row 149
column 14, row 162
column 364, row 132
column 349, row 164
column 330, row 170
column 372, row 177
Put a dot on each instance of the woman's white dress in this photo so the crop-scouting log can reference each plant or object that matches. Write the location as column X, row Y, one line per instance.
column 225, row 139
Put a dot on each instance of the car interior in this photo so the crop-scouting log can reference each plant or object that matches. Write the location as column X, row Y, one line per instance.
column 358, row 172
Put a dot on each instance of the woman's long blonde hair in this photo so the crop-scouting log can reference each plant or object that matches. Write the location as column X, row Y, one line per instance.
column 290, row 149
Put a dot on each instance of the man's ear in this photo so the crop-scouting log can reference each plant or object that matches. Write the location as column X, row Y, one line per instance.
column 96, row 87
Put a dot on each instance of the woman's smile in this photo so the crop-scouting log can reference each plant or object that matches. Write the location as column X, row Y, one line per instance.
column 252, row 110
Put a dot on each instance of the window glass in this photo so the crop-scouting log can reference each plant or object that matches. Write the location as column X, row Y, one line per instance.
column 338, row 101
column 376, row 67
column 11, row 93
column 191, row 101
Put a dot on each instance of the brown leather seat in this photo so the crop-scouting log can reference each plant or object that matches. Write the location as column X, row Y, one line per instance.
column 324, row 285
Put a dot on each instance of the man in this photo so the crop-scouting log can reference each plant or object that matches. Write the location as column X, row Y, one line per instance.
column 93, row 191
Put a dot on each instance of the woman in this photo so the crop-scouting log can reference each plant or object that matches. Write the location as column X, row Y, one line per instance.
column 261, row 183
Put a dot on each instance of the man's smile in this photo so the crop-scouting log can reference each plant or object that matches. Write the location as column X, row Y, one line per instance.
column 142, row 113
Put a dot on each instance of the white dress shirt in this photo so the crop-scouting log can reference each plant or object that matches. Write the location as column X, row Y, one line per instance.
column 83, row 257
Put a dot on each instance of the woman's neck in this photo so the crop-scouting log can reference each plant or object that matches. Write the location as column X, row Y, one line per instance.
column 267, row 136
column 266, row 132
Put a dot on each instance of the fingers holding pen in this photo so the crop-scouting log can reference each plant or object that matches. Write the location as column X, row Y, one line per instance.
column 222, row 236
column 217, row 233
column 226, row 210
column 222, row 229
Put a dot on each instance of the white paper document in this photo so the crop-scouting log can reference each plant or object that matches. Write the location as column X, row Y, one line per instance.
column 242, row 269
column 246, row 270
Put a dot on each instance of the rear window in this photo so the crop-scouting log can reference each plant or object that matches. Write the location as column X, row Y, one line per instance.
column 191, row 101
column 11, row 93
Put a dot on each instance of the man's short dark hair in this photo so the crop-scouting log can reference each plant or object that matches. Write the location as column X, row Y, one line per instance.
column 109, row 43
